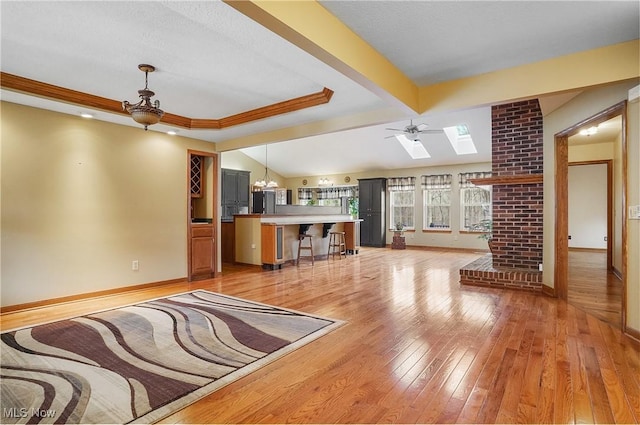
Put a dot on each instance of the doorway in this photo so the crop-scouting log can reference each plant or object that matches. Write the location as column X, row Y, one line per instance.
column 592, row 285
column 561, row 274
column 202, row 214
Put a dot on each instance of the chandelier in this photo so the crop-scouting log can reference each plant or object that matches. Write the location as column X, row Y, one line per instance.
column 266, row 181
column 145, row 112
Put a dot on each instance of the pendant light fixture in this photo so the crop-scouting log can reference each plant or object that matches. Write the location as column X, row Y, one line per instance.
column 266, row 181
column 145, row 112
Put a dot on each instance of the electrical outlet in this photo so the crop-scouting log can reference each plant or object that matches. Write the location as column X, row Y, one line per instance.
column 540, row 267
column 135, row 265
column 253, row 246
column 569, row 237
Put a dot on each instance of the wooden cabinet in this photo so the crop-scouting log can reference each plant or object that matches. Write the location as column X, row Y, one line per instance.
column 227, row 241
column 272, row 241
column 235, row 192
column 352, row 236
column 202, row 251
column 372, row 202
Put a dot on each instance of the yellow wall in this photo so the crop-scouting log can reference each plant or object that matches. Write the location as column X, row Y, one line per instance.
column 236, row 160
column 600, row 151
column 580, row 108
column 82, row 199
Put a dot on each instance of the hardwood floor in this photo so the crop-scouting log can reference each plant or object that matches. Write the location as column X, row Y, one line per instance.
column 593, row 288
column 416, row 348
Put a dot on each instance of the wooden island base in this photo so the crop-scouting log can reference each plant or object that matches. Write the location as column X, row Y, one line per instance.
column 272, row 240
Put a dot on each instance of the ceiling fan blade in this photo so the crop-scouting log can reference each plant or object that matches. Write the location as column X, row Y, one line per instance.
column 422, row 127
column 395, row 129
column 431, row 131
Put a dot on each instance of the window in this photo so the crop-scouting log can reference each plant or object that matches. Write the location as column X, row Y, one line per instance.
column 305, row 196
column 402, row 201
column 436, row 198
column 333, row 196
column 475, row 201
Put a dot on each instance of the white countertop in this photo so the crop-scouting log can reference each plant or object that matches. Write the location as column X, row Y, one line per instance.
column 306, row 219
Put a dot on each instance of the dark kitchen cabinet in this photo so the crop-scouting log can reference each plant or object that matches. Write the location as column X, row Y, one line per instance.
column 235, row 193
column 371, row 209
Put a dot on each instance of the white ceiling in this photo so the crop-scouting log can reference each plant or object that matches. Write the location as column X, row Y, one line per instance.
column 212, row 61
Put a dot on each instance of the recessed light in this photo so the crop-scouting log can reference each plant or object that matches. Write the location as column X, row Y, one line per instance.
column 172, row 132
column 86, row 115
column 589, row 131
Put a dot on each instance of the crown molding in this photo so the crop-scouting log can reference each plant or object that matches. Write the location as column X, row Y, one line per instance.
column 62, row 94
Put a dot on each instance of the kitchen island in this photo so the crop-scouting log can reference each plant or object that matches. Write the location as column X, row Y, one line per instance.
column 271, row 240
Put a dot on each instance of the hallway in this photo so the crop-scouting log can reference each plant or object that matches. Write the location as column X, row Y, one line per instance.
column 592, row 288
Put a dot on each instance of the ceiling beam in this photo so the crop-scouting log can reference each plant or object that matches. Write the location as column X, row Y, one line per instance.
column 341, row 123
column 590, row 68
column 315, row 30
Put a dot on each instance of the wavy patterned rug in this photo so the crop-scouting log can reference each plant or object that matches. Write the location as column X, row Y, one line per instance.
column 142, row 362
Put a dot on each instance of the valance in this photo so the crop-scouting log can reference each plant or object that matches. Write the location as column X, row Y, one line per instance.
column 437, row 181
column 401, row 183
column 466, row 177
column 336, row 192
column 305, row 194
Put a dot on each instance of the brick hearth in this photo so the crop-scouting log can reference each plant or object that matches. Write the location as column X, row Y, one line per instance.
column 482, row 273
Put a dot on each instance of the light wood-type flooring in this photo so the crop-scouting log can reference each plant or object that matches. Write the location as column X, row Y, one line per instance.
column 593, row 288
column 416, row 348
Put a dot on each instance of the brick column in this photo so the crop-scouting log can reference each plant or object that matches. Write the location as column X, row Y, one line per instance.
column 517, row 142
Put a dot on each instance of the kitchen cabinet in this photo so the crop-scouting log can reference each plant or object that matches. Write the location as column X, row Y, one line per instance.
column 235, row 193
column 371, row 209
column 202, row 251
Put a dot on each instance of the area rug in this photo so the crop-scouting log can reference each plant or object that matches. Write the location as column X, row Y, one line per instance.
column 140, row 363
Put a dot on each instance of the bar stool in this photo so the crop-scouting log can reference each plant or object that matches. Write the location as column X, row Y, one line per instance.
column 301, row 238
column 337, row 245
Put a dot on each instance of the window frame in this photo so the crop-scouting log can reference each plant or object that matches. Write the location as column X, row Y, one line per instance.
column 486, row 207
column 396, row 185
column 426, row 225
column 392, row 206
column 438, row 182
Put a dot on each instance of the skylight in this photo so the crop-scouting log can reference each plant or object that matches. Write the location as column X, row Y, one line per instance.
column 460, row 139
column 414, row 148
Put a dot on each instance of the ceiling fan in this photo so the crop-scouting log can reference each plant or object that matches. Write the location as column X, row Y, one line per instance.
column 412, row 131
column 409, row 138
